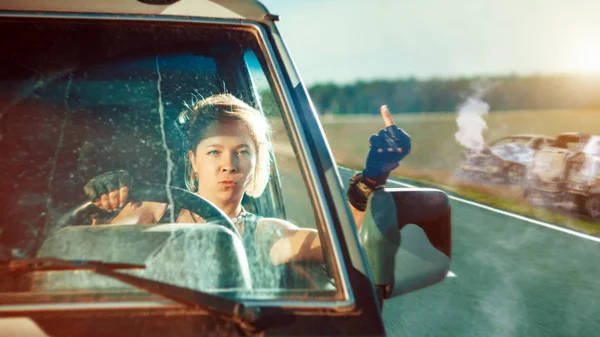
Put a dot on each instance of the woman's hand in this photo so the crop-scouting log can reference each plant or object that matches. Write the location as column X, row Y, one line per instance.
column 387, row 149
column 109, row 191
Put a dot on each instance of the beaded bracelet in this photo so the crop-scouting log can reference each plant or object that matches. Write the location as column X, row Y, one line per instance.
column 358, row 192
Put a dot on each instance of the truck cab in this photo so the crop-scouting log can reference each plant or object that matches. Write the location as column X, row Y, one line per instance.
column 90, row 87
column 566, row 173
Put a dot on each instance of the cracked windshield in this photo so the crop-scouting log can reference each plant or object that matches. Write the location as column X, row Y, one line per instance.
column 155, row 151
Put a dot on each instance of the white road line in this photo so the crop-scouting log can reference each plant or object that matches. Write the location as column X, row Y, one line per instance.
column 520, row 217
column 451, row 274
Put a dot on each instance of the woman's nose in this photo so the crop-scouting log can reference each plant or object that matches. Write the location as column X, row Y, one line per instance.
column 230, row 163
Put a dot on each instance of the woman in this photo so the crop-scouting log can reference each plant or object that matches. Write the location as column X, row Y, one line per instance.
column 227, row 150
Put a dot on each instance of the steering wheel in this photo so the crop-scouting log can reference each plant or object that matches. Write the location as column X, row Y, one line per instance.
column 165, row 194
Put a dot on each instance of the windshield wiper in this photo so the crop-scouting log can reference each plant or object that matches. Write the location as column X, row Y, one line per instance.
column 51, row 264
column 245, row 317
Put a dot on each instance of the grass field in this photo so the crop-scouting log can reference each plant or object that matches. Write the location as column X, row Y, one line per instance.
column 436, row 154
column 434, row 145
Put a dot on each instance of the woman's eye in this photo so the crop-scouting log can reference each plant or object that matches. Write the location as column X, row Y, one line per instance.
column 244, row 152
column 213, row 153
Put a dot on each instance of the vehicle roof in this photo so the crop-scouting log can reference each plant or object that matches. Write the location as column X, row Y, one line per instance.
column 221, row 9
column 536, row 136
column 574, row 134
column 528, row 135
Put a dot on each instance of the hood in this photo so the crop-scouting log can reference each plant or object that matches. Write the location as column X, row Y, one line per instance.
column 514, row 152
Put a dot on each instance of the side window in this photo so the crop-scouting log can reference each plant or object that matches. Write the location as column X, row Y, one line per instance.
column 545, row 143
column 572, row 146
column 296, row 200
column 538, row 144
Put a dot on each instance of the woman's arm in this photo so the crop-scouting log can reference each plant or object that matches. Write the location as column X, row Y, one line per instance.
column 358, row 216
column 139, row 213
column 286, row 242
column 110, row 192
column 298, row 244
column 292, row 243
column 387, row 149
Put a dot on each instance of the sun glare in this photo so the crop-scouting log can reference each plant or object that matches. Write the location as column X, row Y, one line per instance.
column 586, row 58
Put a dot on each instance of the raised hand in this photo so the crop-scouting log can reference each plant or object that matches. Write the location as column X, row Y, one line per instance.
column 109, row 191
column 387, row 149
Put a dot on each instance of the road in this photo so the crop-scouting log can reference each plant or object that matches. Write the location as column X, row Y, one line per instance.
column 514, row 277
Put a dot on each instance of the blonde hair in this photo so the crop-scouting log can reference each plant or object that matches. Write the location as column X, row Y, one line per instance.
column 194, row 121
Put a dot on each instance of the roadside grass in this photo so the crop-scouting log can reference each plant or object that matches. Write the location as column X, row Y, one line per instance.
column 436, row 154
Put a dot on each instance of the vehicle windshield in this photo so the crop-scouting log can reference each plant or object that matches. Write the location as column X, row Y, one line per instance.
column 523, row 141
column 80, row 100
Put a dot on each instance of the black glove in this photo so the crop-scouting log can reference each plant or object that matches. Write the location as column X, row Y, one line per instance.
column 98, row 189
column 388, row 148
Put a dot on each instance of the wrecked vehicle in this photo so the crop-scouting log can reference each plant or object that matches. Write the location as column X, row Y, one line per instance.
column 89, row 87
column 567, row 174
column 505, row 159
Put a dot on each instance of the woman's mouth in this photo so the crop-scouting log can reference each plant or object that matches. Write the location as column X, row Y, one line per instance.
column 227, row 183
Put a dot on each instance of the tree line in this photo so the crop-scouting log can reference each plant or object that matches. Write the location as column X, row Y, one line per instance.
column 411, row 95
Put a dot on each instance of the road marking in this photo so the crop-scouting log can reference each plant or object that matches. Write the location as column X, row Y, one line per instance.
column 451, row 274
column 520, row 217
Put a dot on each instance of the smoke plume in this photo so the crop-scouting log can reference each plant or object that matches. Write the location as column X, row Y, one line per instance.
column 470, row 118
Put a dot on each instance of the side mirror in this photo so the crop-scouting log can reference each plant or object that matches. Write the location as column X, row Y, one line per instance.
column 406, row 234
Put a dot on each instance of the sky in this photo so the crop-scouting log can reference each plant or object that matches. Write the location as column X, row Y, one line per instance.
column 344, row 41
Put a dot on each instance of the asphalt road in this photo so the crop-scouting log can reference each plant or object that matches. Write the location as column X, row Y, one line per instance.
column 511, row 276
column 514, row 277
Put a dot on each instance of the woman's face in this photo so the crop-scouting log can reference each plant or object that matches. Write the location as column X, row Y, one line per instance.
column 224, row 160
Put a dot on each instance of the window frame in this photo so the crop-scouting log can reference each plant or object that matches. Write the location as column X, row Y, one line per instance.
column 317, row 187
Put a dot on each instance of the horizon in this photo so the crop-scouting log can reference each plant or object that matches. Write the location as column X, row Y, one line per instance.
column 462, row 77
